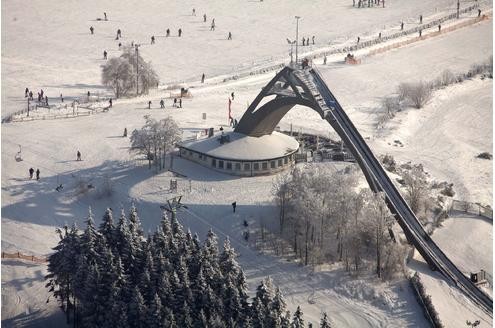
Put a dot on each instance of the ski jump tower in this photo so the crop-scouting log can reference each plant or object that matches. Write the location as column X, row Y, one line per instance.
column 295, row 86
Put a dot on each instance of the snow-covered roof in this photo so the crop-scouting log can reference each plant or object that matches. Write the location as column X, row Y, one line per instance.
column 243, row 147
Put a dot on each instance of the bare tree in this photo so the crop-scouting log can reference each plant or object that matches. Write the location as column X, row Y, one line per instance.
column 416, row 187
column 147, row 76
column 118, row 74
column 155, row 139
column 417, row 93
column 380, row 220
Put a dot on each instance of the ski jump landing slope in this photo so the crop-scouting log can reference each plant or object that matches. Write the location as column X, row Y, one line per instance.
column 294, row 86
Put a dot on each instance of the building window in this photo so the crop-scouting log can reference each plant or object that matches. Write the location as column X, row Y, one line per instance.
column 272, row 164
column 247, row 166
column 264, row 166
column 280, row 162
column 220, row 164
column 256, row 166
column 214, row 162
column 237, row 166
column 229, row 166
column 285, row 160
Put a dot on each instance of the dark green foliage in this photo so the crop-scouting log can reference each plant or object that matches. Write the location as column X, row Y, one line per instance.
column 117, row 277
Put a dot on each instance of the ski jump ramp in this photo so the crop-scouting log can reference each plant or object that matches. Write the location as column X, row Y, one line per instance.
column 295, row 86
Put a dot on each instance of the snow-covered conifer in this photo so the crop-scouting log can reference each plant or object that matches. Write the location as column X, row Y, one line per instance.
column 324, row 323
column 297, row 320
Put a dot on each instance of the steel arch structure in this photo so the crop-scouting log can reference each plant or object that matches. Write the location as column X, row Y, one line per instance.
column 293, row 86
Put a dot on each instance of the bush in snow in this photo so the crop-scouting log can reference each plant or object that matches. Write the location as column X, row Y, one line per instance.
column 389, row 163
column 485, row 155
column 418, row 94
column 391, row 105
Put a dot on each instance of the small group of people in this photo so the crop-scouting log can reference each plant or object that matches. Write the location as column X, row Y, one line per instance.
column 178, row 103
column 305, row 42
column 31, row 173
column 28, row 94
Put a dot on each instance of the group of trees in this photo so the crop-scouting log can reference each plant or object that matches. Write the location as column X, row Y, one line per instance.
column 120, row 74
column 155, row 139
column 326, row 219
column 115, row 276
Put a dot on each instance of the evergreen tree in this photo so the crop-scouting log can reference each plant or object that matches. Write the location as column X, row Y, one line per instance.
column 136, row 313
column 324, row 323
column 154, row 314
column 62, row 266
column 297, row 320
column 285, row 322
column 107, row 229
column 187, row 320
column 169, row 319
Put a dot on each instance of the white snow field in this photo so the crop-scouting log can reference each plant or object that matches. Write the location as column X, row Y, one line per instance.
column 57, row 53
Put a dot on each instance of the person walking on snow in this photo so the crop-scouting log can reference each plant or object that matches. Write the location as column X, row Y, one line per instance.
column 180, row 102
column 152, row 39
column 180, row 32
column 119, row 33
column 92, row 30
column 421, row 19
column 175, row 102
column 149, row 104
column 37, row 174
column 479, row 12
column 162, row 104
column 110, row 102
column 105, row 14
column 78, row 155
column 194, row 12
column 230, row 36
column 203, row 78
column 325, row 60
column 31, row 95
column 168, row 32
column 61, row 98
column 212, row 28
column 232, row 95
column 313, row 39
column 31, row 172
column 26, row 92
column 439, row 27
column 234, row 205
column 304, row 41
column 105, row 54
column 401, row 26
column 46, row 100
column 204, row 18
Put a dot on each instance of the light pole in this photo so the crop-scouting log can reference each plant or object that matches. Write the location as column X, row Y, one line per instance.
column 297, row 34
column 137, row 68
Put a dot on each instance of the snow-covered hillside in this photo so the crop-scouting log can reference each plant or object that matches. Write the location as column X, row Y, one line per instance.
column 57, row 53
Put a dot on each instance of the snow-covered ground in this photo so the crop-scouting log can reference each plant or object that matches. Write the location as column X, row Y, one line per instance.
column 57, row 53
